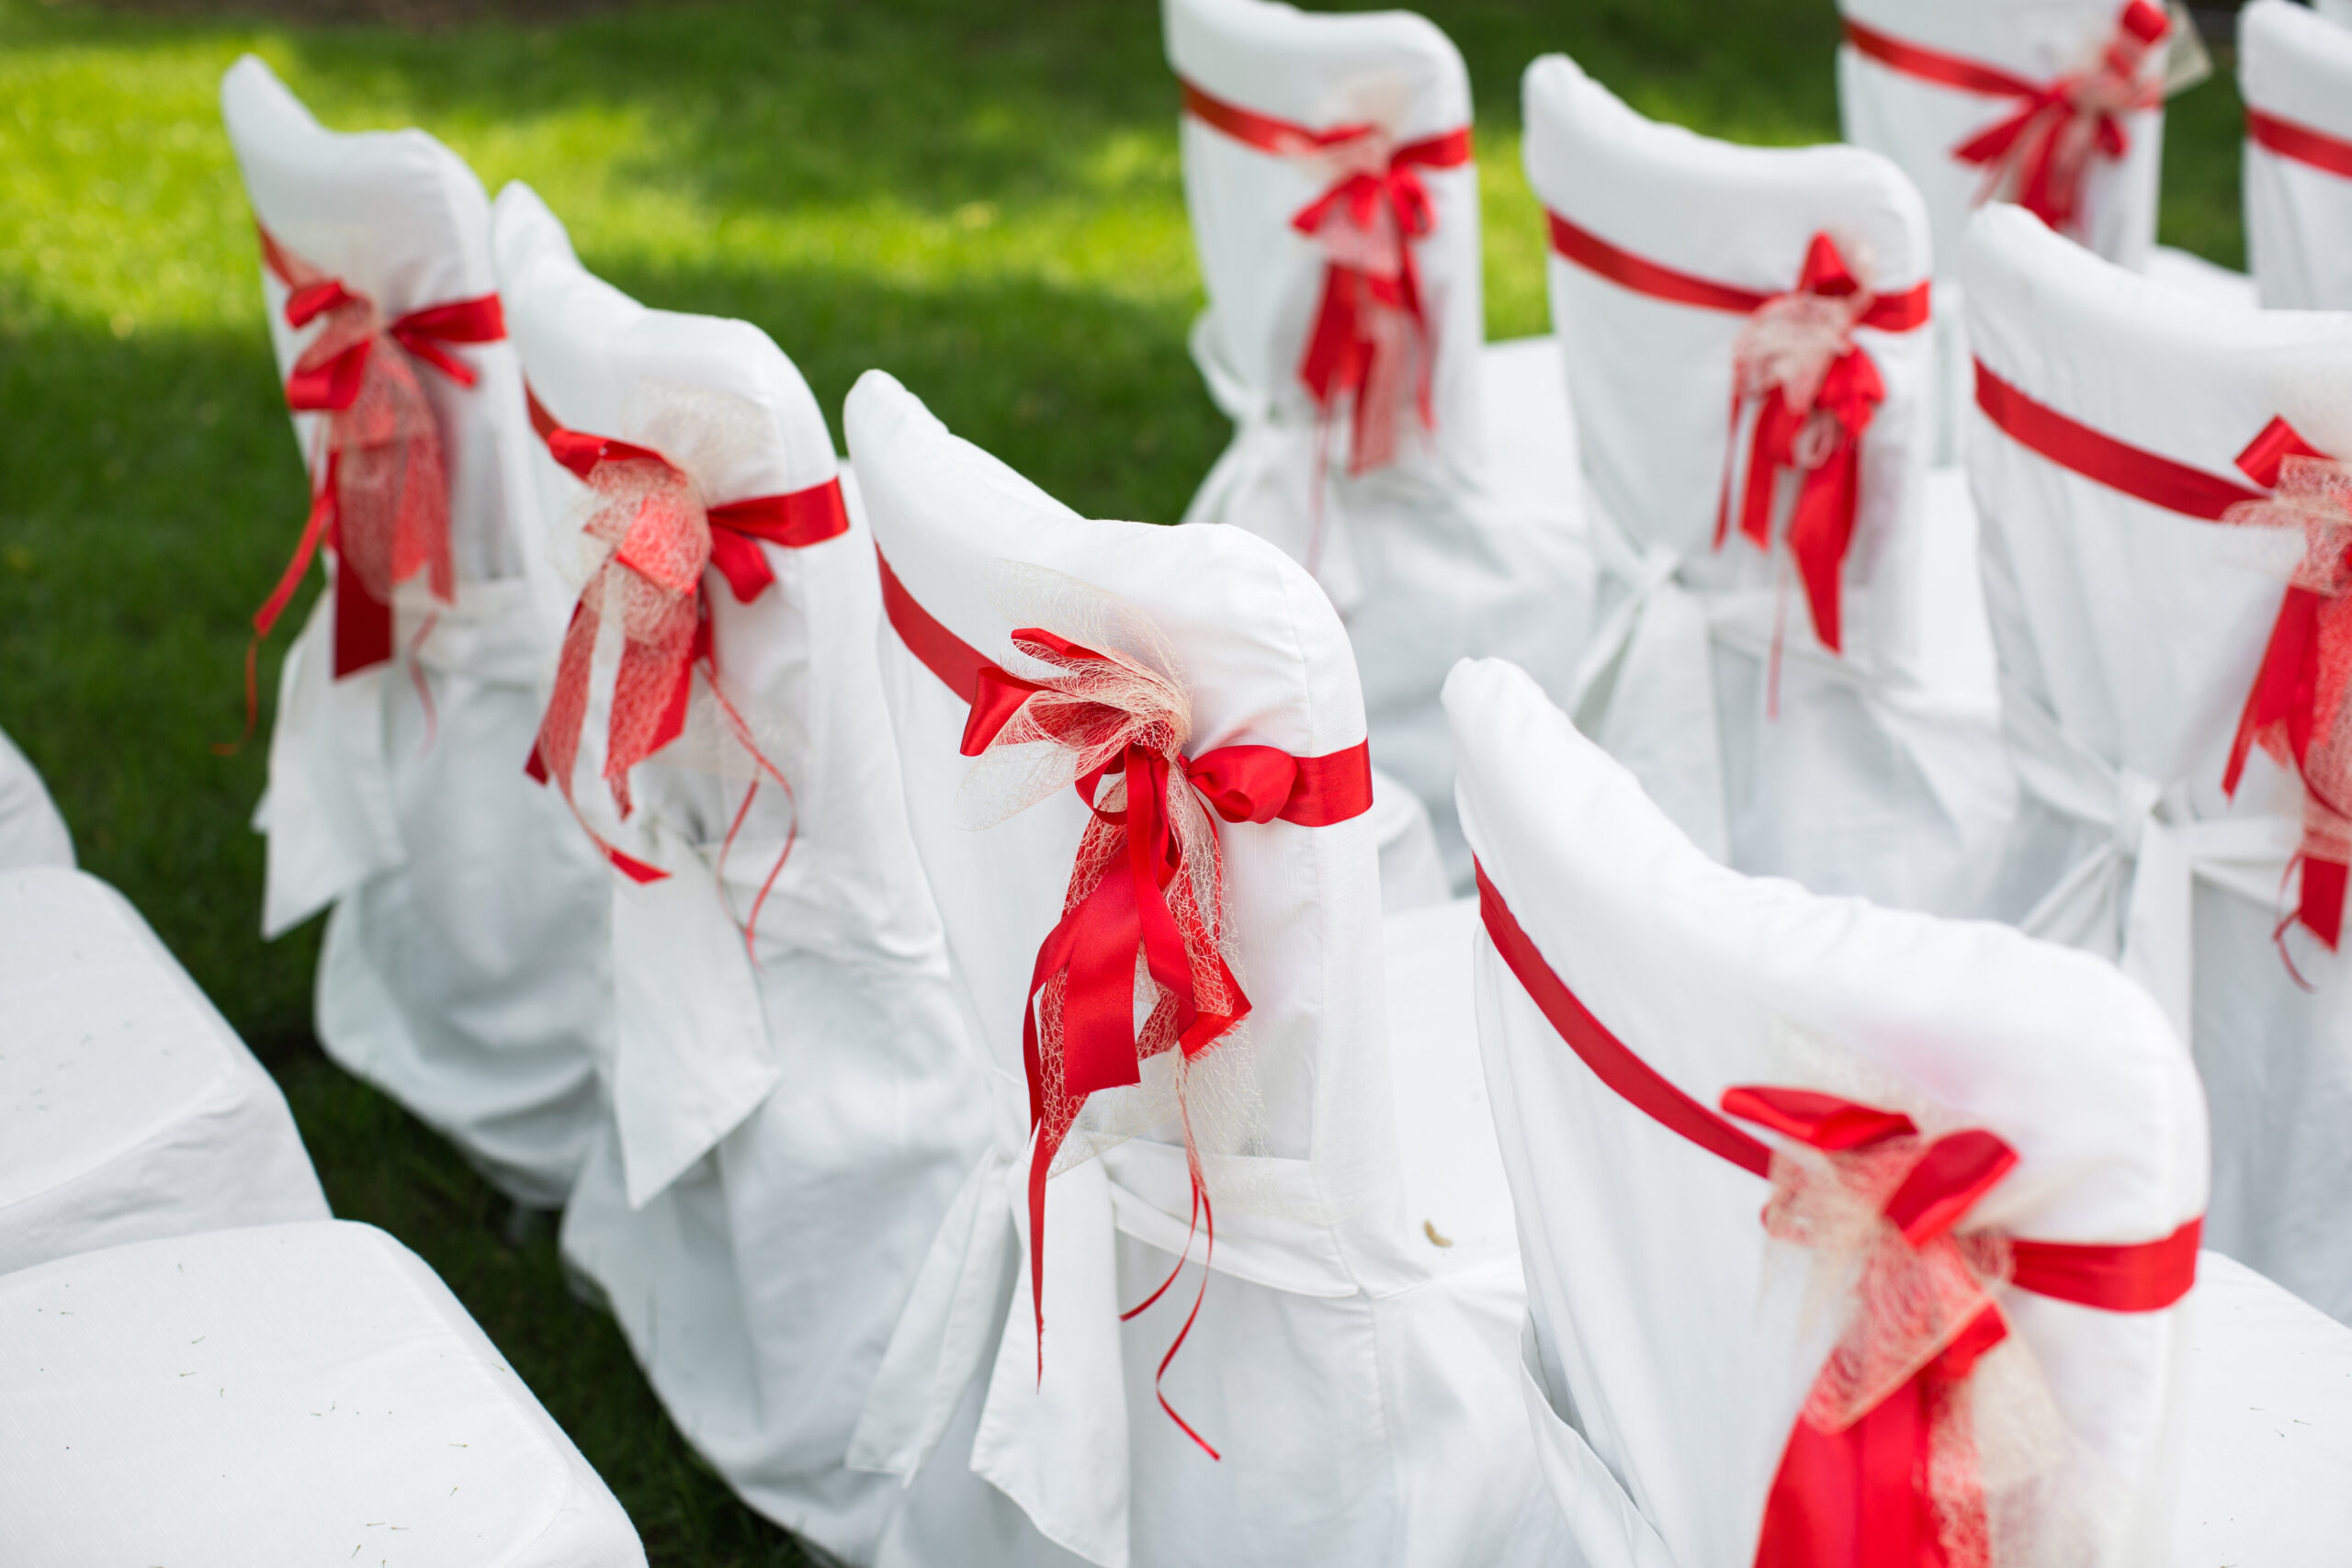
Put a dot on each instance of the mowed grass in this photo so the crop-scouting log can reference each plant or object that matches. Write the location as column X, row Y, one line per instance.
column 985, row 200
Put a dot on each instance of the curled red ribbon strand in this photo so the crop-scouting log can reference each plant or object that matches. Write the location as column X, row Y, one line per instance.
column 1370, row 345
column 2039, row 155
column 1133, row 891
column 1875, row 1475
column 2296, row 709
column 380, row 495
column 1814, row 389
column 664, row 536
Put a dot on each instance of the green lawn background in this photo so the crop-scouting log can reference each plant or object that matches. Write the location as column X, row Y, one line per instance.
column 984, row 199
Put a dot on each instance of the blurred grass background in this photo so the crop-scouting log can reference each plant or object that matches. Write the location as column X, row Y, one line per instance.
column 983, row 198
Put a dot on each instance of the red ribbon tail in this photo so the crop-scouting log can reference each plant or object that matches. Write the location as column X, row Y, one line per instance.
column 2322, row 908
column 1819, row 534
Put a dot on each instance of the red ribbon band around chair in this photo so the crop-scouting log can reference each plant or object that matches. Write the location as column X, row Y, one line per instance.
column 2297, row 703
column 1371, row 339
column 2039, row 155
column 667, row 619
column 1859, row 1497
column 1125, row 897
column 1815, row 392
column 2301, row 142
column 381, row 491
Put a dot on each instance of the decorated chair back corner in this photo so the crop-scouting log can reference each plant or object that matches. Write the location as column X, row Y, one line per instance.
column 1959, row 1139
column 2295, row 73
column 1334, row 202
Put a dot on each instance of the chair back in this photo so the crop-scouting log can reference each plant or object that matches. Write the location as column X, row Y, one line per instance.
column 2295, row 73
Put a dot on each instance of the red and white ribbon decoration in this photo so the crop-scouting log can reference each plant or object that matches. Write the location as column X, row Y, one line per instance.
column 2039, row 155
column 1147, row 882
column 1812, row 388
column 661, row 534
column 2296, row 710
column 1879, row 1471
column 2331, row 154
column 380, row 494
column 1371, row 342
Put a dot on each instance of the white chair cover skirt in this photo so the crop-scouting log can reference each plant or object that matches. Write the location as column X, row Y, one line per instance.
column 1471, row 540
column 2129, row 636
column 128, row 1108
column 288, row 1393
column 31, row 832
column 461, row 971
column 791, row 1116
column 2296, row 66
column 1672, row 1350
column 1355, row 1374
column 1875, row 776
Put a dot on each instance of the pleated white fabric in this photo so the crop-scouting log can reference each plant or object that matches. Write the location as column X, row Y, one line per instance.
column 1470, row 541
column 1671, row 1348
column 288, row 1394
column 31, row 831
column 2128, row 637
column 1354, row 1369
column 128, row 1108
column 791, row 1115
column 1877, row 775
column 461, row 970
column 2296, row 66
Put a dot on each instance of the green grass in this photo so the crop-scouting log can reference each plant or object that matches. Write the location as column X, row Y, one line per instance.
column 987, row 205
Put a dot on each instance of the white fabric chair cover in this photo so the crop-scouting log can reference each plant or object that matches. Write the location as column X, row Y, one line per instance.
column 2336, row 11
column 285, row 1393
column 128, row 1108
column 788, row 1123
column 460, row 973
column 31, row 832
column 1672, row 1350
column 2129, row 636
column 1353, row 1370
column 1470, row 542
column 1876, row 776
column 2296, row 67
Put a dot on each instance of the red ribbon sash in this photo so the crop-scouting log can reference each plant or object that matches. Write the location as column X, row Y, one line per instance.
column 1861, row 1497
column 2297, row 697
column 1371, row 339
column 2301, row 142
column 2041, row 150
column 1079, row 1033
column 1818, row 435
column 381, row 496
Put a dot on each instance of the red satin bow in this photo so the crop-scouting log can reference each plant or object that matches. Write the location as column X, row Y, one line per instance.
column 2039, row 155
column 1371, row 342
column 1816, row 393
column 381, row 499
column 1892, row 1399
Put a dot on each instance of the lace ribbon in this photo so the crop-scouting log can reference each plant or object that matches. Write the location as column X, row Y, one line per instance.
column 2296, row 709
column 380, row 494
column 660, row 535
column 1371, row 341
column 2039, row 155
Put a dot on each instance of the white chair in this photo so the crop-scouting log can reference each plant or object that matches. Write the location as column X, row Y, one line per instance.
column 459, row 972
column 794, row 1100
column 284, row 1393
column 2336, row 11
column 1679, row 1365
column 1439, row 524
column 2295, row 73
column 2114, row 415
column 1348, row 1351
column 128, row 1108
column 1820, row 708
column 31, row 832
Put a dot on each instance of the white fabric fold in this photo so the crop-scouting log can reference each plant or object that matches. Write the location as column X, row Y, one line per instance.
column 31, row 831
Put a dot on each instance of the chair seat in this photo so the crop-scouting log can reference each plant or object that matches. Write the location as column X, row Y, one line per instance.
column 129, row 1109
column 1531, row 428
column 2267, row 1474
column 287, row 1394
column 1458, row 1199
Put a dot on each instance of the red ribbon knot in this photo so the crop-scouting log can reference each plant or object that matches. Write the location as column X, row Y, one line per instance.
column 381, row 496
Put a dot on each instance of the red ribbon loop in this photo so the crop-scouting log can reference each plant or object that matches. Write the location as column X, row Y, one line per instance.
column 2039, row 155
column 1370, row 343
